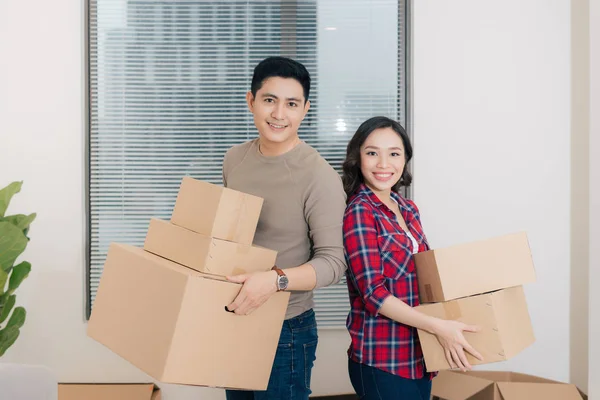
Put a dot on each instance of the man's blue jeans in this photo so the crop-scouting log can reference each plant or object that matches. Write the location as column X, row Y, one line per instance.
column 296, row 353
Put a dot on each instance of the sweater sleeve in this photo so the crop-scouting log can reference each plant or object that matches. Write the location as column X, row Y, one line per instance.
column 324, row 210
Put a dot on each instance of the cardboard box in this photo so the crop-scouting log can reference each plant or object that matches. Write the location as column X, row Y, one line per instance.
column 473, row 268
column 108, row 391
column 216, row 211
column 502, row 316
column 170, row 321
column 206, row 254
column 488, row 385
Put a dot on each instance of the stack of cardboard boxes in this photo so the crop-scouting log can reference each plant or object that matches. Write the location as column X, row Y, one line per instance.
column 162, row 307
column 478, row 283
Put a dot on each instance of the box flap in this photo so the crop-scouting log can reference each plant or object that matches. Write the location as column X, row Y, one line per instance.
column 546, row 391
column 521, row 377
column 450, row 385
column 495, row 376
column 106, row 391
column 156, row 394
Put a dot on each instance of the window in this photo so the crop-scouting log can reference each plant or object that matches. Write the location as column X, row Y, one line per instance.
column 167, row 86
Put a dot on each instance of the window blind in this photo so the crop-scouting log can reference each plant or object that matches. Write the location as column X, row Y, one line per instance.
column 167, row 86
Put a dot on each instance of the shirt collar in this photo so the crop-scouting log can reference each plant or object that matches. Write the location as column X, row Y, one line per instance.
column 364, row 190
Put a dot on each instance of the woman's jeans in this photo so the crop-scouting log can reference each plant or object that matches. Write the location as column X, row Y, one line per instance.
column 375, row 384
column 296, row 353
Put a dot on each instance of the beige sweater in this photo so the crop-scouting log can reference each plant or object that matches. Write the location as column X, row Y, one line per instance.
column 302, row 213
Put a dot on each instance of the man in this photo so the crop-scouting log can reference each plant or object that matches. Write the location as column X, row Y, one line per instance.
column 301, row 219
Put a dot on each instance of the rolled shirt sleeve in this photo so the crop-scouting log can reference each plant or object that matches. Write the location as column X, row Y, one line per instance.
column 361, row 248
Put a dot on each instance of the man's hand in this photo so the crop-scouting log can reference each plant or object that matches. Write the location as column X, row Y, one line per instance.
column 257, row 288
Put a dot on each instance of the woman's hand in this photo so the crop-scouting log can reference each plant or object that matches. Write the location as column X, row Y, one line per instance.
column 450, row 335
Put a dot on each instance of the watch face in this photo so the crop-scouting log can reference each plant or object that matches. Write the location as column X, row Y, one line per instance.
column 282, row 282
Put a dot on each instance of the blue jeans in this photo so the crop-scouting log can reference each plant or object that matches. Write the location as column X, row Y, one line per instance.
column 375, row 384
column 295, row 357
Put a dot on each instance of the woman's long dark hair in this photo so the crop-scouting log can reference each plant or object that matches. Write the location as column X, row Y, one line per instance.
column 351, row 174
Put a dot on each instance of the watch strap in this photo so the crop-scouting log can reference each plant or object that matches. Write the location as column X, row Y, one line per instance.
column 281, row 276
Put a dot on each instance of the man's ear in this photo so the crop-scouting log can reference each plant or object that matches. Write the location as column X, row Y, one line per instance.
column 250, row 101
column 306, row 108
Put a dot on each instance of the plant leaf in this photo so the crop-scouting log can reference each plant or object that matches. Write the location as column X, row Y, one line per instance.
column 8, row 336
column 12, row 244
column 6, row 194
column 21, row 221
column 3, row 279
column 19, row 273
column 7, row 308
column 17, row 318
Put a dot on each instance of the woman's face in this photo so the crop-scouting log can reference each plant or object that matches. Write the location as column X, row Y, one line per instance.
column 382, row 160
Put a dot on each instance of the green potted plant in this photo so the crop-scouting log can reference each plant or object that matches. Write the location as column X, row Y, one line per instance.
column 13, row 241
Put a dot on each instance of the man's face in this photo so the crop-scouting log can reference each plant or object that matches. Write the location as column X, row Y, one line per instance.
column 278, row 109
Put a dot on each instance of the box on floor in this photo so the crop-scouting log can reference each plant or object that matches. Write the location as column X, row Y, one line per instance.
column 497, row 385
column 108, row 391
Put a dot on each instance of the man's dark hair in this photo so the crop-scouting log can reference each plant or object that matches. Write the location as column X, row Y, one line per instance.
column 280, row 67
column 351, row 175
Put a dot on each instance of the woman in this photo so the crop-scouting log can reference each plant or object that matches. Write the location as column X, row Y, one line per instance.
column 382, row 230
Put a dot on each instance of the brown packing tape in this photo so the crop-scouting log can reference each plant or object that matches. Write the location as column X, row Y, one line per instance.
column 452, row 310
column 216, row 278
column 239, row 213
column 243, row 213
column 428, row 292
column 494, row 328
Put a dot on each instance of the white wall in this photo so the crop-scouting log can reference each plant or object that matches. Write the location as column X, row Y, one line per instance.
column 491, row 114
column 594, row 192
column 491, row 136
column 42, row 143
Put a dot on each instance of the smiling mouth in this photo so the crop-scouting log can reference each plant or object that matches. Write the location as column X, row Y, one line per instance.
column 277, row 126
column 383, row 176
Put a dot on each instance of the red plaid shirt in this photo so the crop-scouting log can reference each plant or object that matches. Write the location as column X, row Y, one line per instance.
column 380, row 264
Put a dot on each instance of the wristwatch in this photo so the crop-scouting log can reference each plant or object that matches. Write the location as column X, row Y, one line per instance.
column 282, row 279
